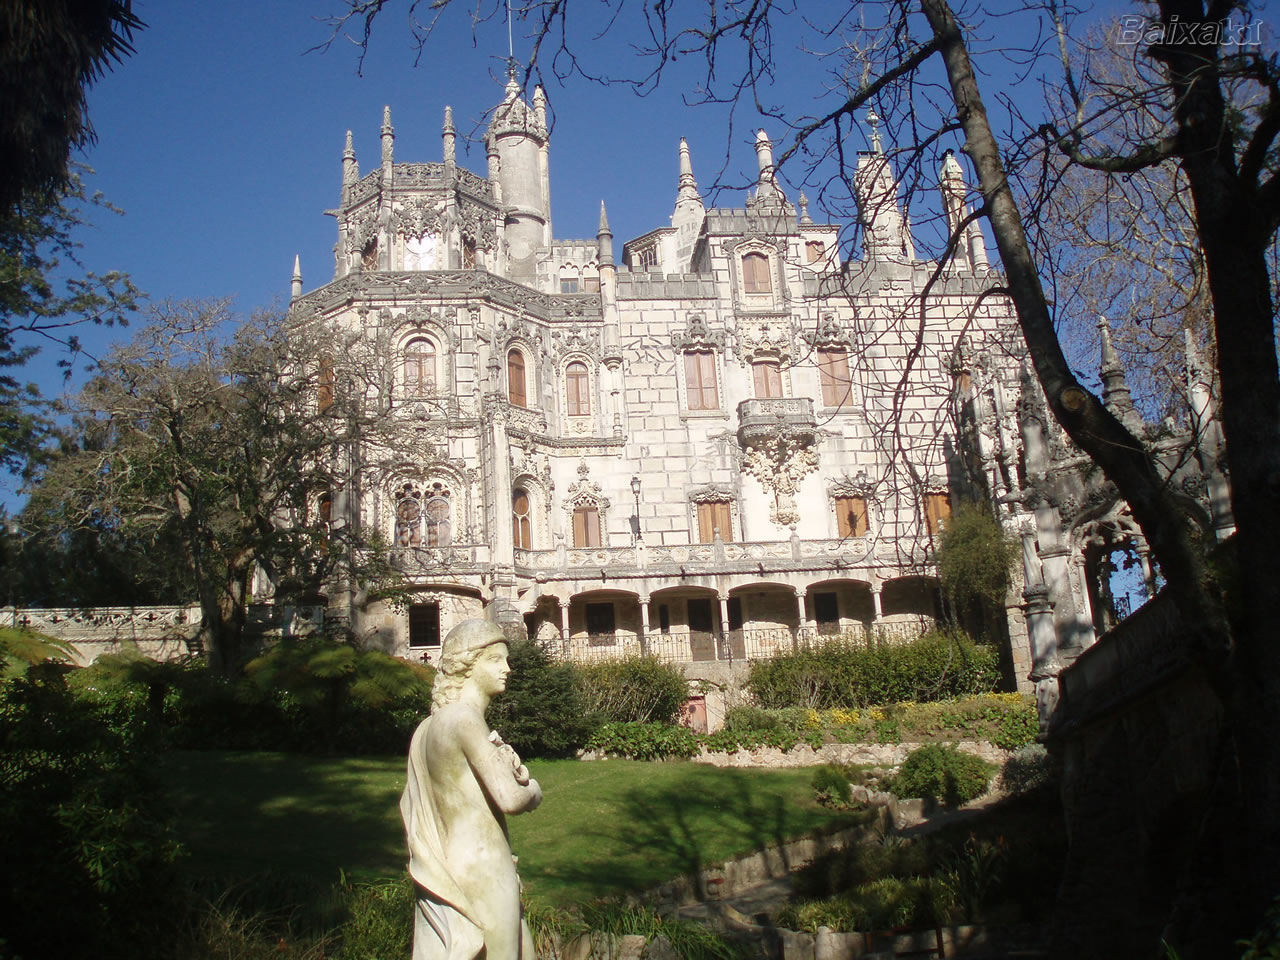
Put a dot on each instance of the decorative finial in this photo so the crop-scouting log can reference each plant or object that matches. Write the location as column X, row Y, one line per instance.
column 388, row 136
column 688, row 186
column 448, row 136
column 804, row 208
column 350, row 169
column 296, row 283
column 604, row 238
column 604, row 221
column 874, row 120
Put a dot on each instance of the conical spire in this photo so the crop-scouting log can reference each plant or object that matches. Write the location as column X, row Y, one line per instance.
column 804, row 208
column 1115, row 389
column 688, row 187
column 350, row 169
column 604, row 238
column 766, row 186
column 295, row 285
column 388, row 136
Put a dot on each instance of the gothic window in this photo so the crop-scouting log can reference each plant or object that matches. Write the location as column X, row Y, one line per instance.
column 700, row 380
column 586, row 527
column 420, row 368
column 436, row 517
column 324, row 385
column 715, row 517
column 755, row 274
column 648, row 258
column 515, row 378
column 577, row 388
column 833, row 371
column 568, row 284
column 468, row 254
column 424, row 625
column 768, row 378
column 937, row 510
column 369, row 255
column 851, row 516
column 521, row 519
column 814, row 251
column 324, row 509
column 408, row 517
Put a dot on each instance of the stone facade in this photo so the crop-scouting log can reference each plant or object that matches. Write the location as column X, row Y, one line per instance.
column 725, row 441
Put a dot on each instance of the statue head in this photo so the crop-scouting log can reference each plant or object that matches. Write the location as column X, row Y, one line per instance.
column 458, row 654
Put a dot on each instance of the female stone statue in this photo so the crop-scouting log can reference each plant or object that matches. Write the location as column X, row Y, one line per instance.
column 463, row 780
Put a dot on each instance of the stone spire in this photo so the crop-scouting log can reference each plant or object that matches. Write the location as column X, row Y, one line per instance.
column 873, row 121
column 295, row 286
column 767, row 184
column 971, row 248
column 350, row 169
column 876, row 190
column 540, row 106
column 519, row 167
column 604, row 238
column 804, row 209
column 449, row 136
column 1115, row 389
column 388, row 137
column 688, row 188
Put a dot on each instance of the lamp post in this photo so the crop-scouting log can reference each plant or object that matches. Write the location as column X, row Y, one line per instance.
column 635, row 516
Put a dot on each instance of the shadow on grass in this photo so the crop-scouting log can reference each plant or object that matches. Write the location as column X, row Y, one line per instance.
column 248, row 813
column 663, row 831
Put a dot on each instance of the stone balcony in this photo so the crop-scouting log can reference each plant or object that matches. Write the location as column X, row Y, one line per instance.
column 759, row 419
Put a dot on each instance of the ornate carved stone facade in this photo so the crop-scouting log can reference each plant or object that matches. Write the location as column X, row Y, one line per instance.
column 653, row 451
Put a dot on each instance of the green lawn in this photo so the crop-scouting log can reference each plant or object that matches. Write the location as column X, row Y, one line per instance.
column 606, row 827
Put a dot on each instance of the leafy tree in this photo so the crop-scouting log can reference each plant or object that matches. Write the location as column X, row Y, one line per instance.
column 223, row 449
column 975, row 557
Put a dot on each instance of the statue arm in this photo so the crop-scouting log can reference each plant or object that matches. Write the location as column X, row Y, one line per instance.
column 500, row 772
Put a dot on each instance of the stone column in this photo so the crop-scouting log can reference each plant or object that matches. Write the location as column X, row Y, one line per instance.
column 723, row 645
column 499, row 494
column 1041, row 632
column 564, row 625
column 644, row 624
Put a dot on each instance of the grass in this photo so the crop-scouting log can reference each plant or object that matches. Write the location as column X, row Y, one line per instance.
column 605, row 828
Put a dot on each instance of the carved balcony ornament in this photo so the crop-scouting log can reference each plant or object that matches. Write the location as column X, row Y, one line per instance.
column 829, row 333
column 698, row 336
column 766, row 339
column 780, row 461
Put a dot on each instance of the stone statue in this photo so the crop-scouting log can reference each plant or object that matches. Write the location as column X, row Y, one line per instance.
column 463, row 780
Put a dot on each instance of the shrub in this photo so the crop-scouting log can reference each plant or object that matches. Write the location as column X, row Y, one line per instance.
column 1018, row 727
column 1030, row 768
column 831, row 783
column 975, row 556
column 644, row 741
column 937, row 666
column 634, row 689
column 939, row 772
column 876, row 905
column 543, row 712
column 381, row 923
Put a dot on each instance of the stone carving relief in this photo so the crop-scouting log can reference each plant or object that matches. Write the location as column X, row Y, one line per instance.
column 362, row 226
column 829, row 332
column 779, row 461
column 698, row 336
column 575, row 340
column 772, row 338
column 476, row 225
column 417, row 217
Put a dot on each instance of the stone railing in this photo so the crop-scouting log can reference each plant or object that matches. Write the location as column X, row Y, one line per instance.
column 434, row 561
column 697, row 557
column 761, row 417
column 750, row 643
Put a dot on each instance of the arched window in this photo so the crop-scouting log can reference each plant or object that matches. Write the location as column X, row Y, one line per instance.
column 768, row 378
column 369, row 255
column 437, row 517
column 468, row 254
column 577, row 389
column 814, row 251
column 408, row 517
column 586, row 527
column 515, row 378
column 755, row 274
column 521, row 526
column 420, row 368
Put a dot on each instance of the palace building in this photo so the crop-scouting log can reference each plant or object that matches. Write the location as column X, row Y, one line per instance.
column 712, row 442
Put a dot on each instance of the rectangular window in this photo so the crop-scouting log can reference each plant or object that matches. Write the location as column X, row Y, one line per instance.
column 833, row 371
column 591, row 284
column 424, row 625
column 851, row 516
column 700, row 615
column 937, row 510
column 768, row 378
column 600, row 619
column 664, row 618
column 700, row 380
column 735, row 613
column 712, row 518
column 324, row 385
column 586, row 527
column 569, row 286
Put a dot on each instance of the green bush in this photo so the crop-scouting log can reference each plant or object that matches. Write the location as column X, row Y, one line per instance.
column 940, row 772
column 881, row 904
column 644, row 741
column 85, row 829
column 543, row 712
column 1030, row 768
column 780, row 737
column 937, row 666
column 1018, row 727
column 634, row 689
column 831, row 783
